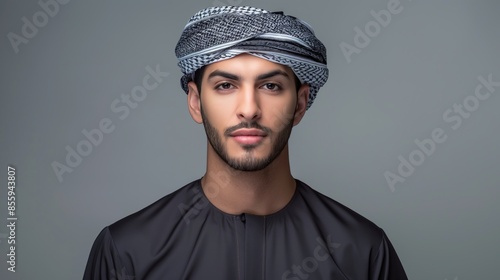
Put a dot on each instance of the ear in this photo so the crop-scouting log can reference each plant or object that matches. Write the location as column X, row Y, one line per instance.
column 194, row 102
column 302, row 99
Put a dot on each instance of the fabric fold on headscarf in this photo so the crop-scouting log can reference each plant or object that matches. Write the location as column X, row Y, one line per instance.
column 220, row 33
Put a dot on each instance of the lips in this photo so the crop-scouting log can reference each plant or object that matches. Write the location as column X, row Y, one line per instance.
column 248, row 132
column 248, row 136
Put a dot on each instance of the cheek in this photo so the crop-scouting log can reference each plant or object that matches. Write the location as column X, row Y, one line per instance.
column 280, row 115
column 218, row 112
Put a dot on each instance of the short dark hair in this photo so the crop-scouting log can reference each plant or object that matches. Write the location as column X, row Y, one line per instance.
column 198, row 77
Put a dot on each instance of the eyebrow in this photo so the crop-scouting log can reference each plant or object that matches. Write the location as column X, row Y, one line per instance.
column 223, row 74
column 237, row 78
column 272, row 74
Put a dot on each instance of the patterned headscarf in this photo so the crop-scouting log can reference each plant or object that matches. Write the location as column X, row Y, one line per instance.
column 219, row 33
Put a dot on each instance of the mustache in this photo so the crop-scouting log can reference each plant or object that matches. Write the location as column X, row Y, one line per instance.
column 255, row 125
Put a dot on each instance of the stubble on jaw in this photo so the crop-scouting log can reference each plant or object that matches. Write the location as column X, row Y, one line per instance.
column 249, row 162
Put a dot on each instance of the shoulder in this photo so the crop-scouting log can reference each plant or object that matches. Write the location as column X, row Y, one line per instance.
column 117, row 247
column 332, row 216
column 353, row 238
column 164, row 214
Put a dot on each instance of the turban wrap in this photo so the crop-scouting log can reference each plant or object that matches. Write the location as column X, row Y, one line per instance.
column 219, row 33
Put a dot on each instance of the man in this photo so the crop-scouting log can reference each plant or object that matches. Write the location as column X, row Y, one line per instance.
column 249, row 75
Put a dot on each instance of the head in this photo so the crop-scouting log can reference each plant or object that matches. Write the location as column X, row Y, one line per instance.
column 247, row 63
column 248, row 108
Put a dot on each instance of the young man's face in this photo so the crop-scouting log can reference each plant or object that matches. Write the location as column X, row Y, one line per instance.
column 248, row 106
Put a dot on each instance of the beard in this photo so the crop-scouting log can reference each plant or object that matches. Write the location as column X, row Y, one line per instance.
column 248, row 162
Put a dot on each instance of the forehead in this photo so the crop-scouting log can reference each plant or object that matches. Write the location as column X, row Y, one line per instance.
column 247, row 64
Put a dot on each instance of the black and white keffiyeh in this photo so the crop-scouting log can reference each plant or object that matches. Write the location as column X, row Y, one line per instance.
column 219, row 33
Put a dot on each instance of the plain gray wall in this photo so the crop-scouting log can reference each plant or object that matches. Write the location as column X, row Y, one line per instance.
column 443, row 219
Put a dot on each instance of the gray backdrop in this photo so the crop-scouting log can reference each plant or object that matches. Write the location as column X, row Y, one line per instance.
column 429, row 75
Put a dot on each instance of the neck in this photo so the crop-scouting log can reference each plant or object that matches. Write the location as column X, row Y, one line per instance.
column 260, row 192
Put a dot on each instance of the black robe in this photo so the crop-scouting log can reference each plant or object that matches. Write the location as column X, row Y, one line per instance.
column 184, row 236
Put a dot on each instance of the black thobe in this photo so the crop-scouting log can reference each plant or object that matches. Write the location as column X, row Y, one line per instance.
column 184, row 236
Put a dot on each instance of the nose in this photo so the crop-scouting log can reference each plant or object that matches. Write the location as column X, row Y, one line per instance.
column 248, row 105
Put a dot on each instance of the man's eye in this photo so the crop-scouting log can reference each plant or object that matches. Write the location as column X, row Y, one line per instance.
column 224, row 86
column 271, row 86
